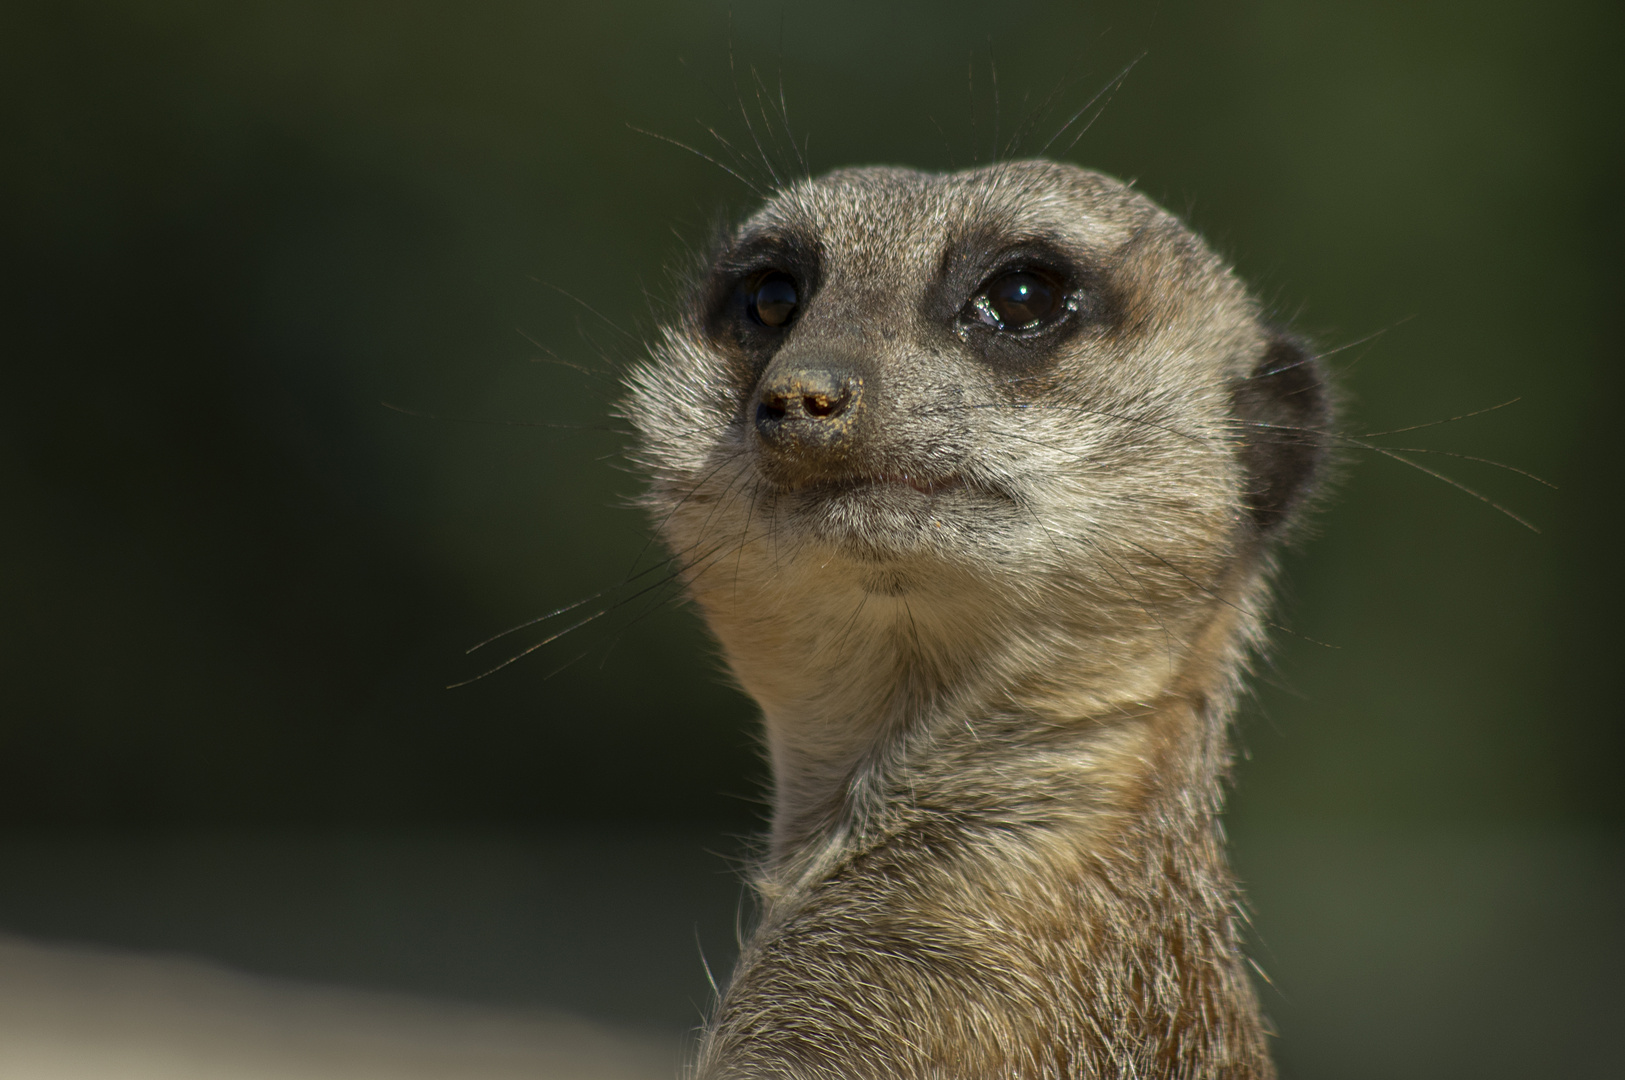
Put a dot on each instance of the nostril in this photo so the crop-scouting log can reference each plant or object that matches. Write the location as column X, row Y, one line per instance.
column 824, row 406
column 806, row 404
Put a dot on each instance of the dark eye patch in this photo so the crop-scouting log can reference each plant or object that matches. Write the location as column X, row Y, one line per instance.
column 758, row 284
column 1016, row 300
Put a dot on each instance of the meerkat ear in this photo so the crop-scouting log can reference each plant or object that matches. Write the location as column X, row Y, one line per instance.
column 1284, row 410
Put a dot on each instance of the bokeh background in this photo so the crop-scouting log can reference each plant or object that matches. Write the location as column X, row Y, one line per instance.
column 235, row 582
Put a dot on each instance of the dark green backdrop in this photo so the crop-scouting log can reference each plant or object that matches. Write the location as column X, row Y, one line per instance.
column 234, row 585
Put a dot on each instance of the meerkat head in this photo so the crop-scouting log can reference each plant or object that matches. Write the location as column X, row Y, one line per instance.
column 1004, row 439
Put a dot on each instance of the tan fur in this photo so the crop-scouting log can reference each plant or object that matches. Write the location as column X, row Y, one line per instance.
column 995, row 624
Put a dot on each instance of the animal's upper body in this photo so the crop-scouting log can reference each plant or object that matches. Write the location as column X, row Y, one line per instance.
column 975, row 477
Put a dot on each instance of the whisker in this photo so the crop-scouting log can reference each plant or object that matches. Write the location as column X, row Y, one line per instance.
column 993, row 77
column 970, row 92
column 744, row 534
column 1111, row 86
column 744, row 113
column 1399, row 455
column 1033, row 117
column 632, row 576
column 757, row 191
column 764, row 99
column 554, row 358
column 1463, row 457
column 553, row 425
column 712, row 558
column 1356, row 343
column 530, row 649
column 611, row 323
column 1457, row 484
column 577, row 658
column 1361, row 443
column 1090, row 412
column 947, row 148
column 1436, row 423
column 678, row 505
column 784, row 105
column 539, row 619
column 608, row 609
column 623, row 583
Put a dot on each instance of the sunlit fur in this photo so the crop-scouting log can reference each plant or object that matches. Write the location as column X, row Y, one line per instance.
column 995, row 680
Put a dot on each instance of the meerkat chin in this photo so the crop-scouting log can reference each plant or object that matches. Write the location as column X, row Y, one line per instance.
column 976, row 477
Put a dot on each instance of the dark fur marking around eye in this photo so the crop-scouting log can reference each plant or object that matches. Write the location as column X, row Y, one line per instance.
column 979, row 264
column 1285, row 412
column 731, row 293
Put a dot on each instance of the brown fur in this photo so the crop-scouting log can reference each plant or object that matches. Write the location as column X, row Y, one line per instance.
column 995, row 614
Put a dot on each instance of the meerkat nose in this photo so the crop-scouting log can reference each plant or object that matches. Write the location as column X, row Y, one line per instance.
column 807, row 409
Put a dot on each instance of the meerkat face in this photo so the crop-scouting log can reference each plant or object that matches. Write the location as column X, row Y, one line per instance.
column 1020, row 398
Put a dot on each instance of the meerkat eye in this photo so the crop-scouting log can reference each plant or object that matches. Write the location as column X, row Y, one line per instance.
column 1018, row 300
column 774, row 301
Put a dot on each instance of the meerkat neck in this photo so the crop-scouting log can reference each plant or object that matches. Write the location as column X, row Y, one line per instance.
column 1069, row 892
column 909, row 691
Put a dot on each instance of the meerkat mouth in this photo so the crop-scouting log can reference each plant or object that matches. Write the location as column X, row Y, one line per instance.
column 885, row 516
column 925, row 485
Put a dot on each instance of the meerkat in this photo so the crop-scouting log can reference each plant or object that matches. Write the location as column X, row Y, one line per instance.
column 977, row 479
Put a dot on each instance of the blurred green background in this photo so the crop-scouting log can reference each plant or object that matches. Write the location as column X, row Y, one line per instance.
column 234, row 585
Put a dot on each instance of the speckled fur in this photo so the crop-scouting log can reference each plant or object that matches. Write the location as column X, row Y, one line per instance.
column 995, row 698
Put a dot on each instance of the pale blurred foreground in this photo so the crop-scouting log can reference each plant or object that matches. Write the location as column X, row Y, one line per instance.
column 69, row 1013
column 581, row 952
